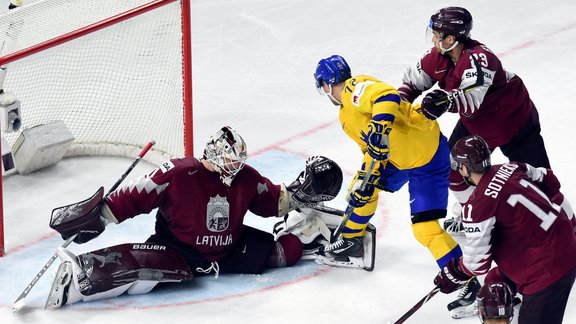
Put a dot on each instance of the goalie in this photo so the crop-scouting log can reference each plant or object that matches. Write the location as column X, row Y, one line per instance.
column 199, row 223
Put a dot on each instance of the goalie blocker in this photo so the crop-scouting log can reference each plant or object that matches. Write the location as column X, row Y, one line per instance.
column 82, row 219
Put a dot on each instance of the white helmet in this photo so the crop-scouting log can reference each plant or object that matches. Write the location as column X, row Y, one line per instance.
column 226, row 152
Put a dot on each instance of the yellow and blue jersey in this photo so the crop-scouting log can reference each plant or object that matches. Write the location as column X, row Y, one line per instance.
column 413, row 140
column 419, row 156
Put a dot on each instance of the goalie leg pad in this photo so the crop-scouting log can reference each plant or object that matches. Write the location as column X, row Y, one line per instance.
column 128, row 263
column 109, row 272
column 366, row 261
column 312, row 226
column 58, row 292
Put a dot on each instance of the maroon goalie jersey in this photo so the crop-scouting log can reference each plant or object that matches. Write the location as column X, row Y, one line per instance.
column 198, row 208
column 491, row 101
column 518, row 218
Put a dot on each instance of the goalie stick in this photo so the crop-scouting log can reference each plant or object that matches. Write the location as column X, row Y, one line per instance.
column 20, row 302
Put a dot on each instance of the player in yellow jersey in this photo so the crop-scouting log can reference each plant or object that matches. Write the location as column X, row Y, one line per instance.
column 409, row 148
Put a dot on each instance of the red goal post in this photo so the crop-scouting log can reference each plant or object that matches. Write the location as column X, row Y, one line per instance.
column 116, row 73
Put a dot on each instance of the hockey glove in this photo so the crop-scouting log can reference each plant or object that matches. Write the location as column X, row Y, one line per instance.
column 358, row 197
column 451, row 278
column 82, row 219
column 320, row 181
column 436, row 103
column 377, row 140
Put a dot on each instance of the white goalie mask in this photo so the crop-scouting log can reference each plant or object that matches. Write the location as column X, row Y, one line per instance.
column 226, row 152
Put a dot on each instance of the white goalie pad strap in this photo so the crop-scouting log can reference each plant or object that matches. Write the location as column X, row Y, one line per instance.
column 332, row 217
column 310, row 223
column 306, row 228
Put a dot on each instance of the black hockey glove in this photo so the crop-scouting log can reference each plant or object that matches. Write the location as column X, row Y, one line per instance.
column 436, row 103
column 320, row 181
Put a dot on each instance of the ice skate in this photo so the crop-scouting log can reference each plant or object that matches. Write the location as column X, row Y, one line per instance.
column 465, row 305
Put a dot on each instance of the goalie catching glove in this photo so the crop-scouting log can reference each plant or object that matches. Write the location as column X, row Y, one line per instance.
column 320, row 181
column 82, row 219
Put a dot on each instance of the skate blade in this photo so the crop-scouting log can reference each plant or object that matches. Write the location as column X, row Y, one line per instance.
column 352, row 262
column 464, row 311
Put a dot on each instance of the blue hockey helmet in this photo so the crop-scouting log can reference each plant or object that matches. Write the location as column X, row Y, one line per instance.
column 332, row 70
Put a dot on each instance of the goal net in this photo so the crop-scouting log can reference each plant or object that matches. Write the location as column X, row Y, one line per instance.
column 116, row 73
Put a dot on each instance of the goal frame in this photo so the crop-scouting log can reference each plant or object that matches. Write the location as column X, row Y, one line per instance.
column 91, row 28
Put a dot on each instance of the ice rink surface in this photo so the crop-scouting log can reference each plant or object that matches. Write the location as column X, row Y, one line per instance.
column 252, row 69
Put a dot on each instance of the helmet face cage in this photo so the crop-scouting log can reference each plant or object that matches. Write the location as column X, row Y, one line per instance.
column 471, row 151
column 455, row 21
column 495, row 301
column 331, row 70
column 226, row 152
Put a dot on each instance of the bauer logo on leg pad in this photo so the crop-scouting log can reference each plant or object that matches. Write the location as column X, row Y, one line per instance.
column 148, row 247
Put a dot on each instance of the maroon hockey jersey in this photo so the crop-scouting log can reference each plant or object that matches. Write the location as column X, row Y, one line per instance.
column 491, row 101
column 518, row 218
column 198, row 208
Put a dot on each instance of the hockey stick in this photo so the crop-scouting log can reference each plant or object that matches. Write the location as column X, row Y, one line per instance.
column 20, row 302
column 367, row 176
column 418, row 305
column 140, row 156
column 350, row 209
column 329, row 210
column 452, row 96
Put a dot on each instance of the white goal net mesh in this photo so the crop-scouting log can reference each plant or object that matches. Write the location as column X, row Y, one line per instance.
column 115, row 88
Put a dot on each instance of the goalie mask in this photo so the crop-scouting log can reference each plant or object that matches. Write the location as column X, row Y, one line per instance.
column 226, row 152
